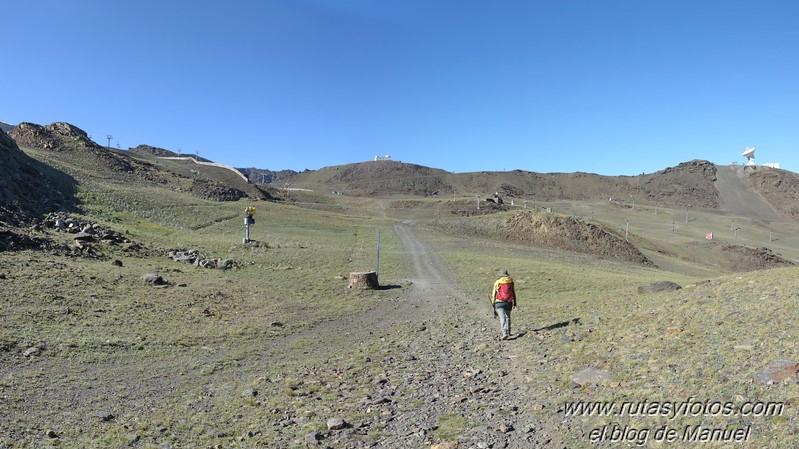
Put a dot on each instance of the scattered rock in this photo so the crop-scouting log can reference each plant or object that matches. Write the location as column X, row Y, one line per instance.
column 154, row 279
column 445, row 445
column 312, row 438
column 31, row 351
column 336, row 424
column 672, row 330
column 591, row 376
column 779, row 371
column 51, row 434
column 250, row 393
column 103, row 415
column 196, row 258
column 116, row 263
column 84, row 236
column 659, row 286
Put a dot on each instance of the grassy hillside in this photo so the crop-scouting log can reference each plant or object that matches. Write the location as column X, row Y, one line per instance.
column 266, row 352
column 115, row 362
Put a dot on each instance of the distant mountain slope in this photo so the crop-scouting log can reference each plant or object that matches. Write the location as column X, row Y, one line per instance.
column 94, row 161
column 377, row 178
column 779, row 187
column 264, row 176
column 6, row 127
column 764, row 193
column 688, row 184
column 147, row 150
column 737, row 195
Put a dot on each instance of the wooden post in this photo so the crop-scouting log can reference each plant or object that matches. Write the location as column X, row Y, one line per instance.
column 364, row 279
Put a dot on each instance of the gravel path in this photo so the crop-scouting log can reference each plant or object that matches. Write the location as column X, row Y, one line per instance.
column 438, row 376
column 459, row 372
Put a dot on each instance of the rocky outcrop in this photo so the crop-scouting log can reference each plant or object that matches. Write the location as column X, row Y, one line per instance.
column 688, row 184
column 28, row 187
column 215, row 191
column 55, row 136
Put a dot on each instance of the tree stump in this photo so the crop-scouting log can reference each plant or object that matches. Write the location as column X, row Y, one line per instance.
column 364, row 279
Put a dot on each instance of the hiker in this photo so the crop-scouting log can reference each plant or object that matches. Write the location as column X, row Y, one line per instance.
column 503, row 300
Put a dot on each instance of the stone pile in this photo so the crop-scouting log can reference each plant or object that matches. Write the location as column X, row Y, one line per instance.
column 196, row 258
column 84, row 231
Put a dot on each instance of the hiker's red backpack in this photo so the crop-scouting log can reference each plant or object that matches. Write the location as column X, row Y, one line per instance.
column 505, row 293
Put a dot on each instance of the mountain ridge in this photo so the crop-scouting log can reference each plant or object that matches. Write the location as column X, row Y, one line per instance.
column 765, row 193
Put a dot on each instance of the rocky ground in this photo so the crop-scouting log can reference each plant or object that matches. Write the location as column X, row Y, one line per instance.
column 419, row 367
column 428, row 370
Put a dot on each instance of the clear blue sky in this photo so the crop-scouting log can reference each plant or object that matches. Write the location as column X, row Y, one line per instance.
column 610, row 87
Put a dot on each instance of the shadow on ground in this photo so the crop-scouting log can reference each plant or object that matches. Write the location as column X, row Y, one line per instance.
column 558, row 325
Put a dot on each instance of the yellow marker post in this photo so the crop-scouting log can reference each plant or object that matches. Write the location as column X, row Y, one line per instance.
column 249, row 212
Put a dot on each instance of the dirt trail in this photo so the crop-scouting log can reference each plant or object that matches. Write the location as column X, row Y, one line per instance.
column 429, row 269
column 438, row 373
column 467, row 372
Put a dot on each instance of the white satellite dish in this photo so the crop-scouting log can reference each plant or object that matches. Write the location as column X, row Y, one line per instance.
column 749, row 154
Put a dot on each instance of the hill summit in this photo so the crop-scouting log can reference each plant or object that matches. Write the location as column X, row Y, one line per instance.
column 55, row 136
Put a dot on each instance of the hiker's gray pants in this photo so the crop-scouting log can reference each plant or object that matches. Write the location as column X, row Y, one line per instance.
column 503, row 311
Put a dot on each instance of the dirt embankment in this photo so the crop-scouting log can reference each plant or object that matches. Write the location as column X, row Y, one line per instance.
column 740, row 258
column 564, row 233
column 556, row 232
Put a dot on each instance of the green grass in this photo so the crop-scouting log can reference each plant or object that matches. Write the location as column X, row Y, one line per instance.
column 450, row 426
column 177, row 359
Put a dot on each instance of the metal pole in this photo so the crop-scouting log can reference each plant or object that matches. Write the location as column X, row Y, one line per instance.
column 377, row 271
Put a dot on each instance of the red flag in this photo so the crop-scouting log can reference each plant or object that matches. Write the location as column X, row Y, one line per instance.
column 709, row 236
